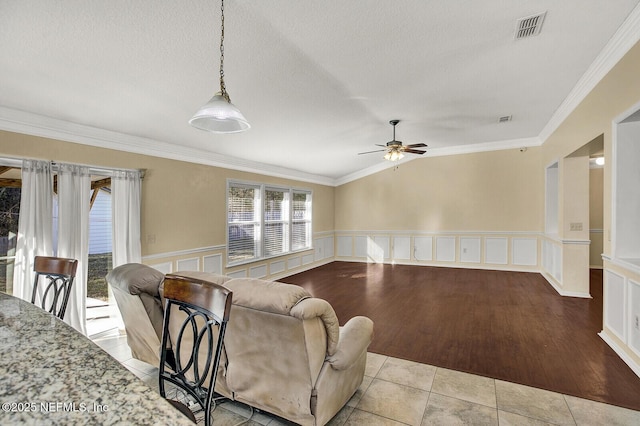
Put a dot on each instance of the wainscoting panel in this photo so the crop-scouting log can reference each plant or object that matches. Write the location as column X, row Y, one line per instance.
column 496, row 250
column 307, row 259
column 328, row 247
column 446, row 249
column 552, row 259
column 259, row 271
column 634, row 316
column 423, row 248
column 294, row 262
column 277, row 267
column 615, row 306
column 379, row 249
column 621, row 310
column 402, row 248
column 524, row 251
column 470, row 249
column 242, row 273
column 323, row 248
column 345, row 246
column 361, row 246
column 318, row 249
column 165, row 267
column 192, row 264
column 212, row 263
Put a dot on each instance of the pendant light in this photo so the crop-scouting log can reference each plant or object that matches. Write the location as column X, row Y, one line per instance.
column 219, row 115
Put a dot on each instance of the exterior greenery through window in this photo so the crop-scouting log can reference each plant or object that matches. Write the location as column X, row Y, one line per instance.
column 266, row 221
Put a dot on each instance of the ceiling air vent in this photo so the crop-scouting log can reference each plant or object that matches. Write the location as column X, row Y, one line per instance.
column 504, row 119
column 529, row 26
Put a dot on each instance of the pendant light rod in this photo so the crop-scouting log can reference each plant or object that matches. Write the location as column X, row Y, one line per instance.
column 223, row 88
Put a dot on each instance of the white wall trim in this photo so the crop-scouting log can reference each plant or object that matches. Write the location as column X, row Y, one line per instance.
column 299, row 269
column 183, row 252
column 340, row 233
column 632, row 267
column 441, row 264
column 622, row 41
column 621, row 353
column 559, row 289
column 579, row 242
column 17, row 121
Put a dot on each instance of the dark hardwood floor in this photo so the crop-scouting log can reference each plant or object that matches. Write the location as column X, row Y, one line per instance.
column 511, row 326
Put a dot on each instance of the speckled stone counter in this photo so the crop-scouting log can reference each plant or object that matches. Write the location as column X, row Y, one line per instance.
column 52, row 375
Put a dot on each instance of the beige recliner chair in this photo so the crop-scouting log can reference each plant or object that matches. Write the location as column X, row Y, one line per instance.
column 285, row 352
column 287, row 355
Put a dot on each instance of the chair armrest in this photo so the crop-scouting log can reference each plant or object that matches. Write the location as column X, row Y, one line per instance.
column 355, row 337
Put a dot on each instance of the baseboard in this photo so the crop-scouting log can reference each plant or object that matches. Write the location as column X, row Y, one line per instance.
column 299, row 270
column 621, row 353
column 562, row 292
column 470, row 265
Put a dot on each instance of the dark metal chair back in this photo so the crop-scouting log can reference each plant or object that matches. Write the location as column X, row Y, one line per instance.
column 206, row 306
column 56, row 274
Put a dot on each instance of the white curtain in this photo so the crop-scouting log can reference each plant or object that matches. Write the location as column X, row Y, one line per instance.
column 74, row 191
column 34, row 224
column 125, row 203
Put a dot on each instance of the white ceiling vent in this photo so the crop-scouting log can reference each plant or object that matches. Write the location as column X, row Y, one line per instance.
column 529, row 26
column 504, row 119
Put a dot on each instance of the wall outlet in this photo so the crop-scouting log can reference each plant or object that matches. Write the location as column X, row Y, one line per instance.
column 637, row 323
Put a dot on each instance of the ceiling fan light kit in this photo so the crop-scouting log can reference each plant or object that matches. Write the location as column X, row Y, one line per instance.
column 394, row 149
column 219, row 115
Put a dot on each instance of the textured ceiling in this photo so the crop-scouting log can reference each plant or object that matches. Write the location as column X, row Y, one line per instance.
column 318, row 80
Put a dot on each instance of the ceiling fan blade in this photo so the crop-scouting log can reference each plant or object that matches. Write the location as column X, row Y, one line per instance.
column 377, row 144
column 414, row 151
column 416, row 145
column 370, row 152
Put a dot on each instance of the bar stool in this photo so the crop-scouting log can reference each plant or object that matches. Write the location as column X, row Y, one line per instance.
column 57, row 275
column 197, row 341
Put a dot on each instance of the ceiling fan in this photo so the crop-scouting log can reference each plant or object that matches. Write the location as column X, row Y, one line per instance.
column 394, row 149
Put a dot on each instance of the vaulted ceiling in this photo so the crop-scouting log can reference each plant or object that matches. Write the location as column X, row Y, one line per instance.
column 318, row 80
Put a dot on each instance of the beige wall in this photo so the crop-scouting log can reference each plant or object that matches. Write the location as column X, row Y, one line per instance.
column 489, row 191
column 183, row 204
column 616, row 93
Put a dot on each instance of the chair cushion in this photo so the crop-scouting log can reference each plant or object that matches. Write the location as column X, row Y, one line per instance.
column 136, row 278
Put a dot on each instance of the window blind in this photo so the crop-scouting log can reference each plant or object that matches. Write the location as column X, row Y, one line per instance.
column 265, row 221
column 242, row 223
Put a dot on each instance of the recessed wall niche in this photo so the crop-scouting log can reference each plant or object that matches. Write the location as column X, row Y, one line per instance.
column 626, row 190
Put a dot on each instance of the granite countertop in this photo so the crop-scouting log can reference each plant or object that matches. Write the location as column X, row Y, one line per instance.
column 51, row 374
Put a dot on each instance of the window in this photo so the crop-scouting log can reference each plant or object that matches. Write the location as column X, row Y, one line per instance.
column 301, row 227
column 9, row 213
column 266, row 221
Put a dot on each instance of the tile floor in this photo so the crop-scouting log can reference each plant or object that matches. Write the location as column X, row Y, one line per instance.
column 399, row 392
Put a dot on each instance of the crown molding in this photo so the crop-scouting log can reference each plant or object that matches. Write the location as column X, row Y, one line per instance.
column 622, row 41
column 439, row 152
column 17, row 121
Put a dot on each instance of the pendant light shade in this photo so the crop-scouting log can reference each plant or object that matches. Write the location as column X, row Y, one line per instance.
column 219, row 116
